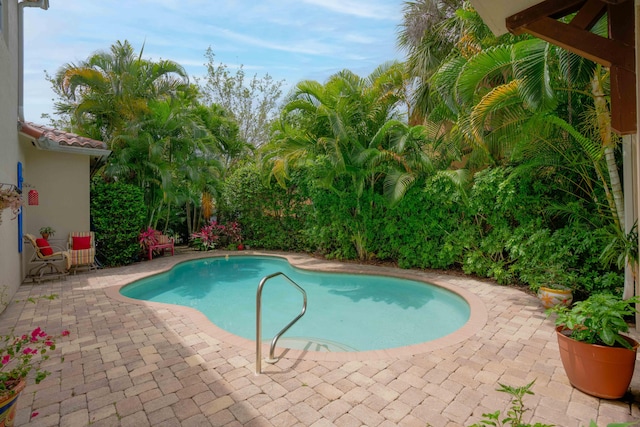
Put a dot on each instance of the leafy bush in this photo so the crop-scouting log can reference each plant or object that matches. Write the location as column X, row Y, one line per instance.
column 512, row 225
column 118, row 214
column 271, row 217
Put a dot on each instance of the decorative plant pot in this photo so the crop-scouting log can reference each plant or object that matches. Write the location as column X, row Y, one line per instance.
column 8, row 405
column 597, row 370
column 551, row 297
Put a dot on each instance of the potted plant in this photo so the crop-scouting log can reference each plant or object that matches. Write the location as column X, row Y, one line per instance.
column 557, row 287
column 45, row 232
column 553, row 284
column 597, row 358
column 19, row 355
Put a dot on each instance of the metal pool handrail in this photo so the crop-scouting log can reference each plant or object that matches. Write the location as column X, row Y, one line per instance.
column 272, row 359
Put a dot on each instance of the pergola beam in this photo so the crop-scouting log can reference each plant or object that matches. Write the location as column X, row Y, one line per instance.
column 517, row 22
column 616, row 52
column 589, row 14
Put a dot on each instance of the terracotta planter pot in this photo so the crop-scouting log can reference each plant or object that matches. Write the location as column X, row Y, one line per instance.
column 551, row 297
column 597, row 370
column 8, row 406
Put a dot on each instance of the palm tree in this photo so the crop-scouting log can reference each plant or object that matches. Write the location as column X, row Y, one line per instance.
column 338, row 120
column 353, row 132
column 505, row 90
column 432, row 32
column 111, row 89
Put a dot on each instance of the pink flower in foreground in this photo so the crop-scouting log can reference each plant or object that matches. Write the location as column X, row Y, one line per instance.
column 34, row 414
column 65, row 333
column 36, row 333
column 6, row 359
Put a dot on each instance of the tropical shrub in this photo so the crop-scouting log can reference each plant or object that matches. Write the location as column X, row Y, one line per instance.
column 270, row 216
column 118, row 214
column 419, row 231
column 214, row 234
column 148, row 238
column 209, row 237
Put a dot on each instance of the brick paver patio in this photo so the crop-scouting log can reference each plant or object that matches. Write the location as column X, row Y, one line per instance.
column 135, row 364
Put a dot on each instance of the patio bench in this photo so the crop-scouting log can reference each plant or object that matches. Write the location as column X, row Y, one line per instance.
column 164, row 242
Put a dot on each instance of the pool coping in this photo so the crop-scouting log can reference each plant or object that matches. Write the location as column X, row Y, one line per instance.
column 478, row 315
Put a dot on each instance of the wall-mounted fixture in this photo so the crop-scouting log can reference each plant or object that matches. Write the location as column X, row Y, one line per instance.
column 33, row 197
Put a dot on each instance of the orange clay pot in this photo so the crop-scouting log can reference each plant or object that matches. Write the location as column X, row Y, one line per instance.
column 597, row 370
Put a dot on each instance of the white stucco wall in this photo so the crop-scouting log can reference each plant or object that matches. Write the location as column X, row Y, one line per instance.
column 62, row 181
column 10, row 260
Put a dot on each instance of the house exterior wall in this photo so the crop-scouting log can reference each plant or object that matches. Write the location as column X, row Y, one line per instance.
column 62, row 181
column 10, row 153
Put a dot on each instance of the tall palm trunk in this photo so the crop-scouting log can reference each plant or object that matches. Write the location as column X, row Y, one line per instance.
column 603, row 117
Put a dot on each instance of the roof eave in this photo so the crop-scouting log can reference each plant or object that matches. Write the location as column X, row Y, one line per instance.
column 44, row 143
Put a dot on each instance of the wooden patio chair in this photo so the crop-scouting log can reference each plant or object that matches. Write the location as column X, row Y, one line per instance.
column 46, row 259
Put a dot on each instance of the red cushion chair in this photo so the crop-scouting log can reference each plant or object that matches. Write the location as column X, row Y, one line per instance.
column 82, row 250
column 80, row 242
column 45, row 247
column 45, row 259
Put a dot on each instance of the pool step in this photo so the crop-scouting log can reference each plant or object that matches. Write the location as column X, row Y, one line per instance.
column 313, row 344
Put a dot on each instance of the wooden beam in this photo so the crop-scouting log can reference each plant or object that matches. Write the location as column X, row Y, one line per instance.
column 589, row 14
column 553, row 8
column 602, row 50
column 617, row 52
column 621, row 22
column 623, row 81
column 623, row 101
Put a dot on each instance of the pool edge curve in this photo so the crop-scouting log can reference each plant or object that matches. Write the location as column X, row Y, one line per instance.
column 478, row 315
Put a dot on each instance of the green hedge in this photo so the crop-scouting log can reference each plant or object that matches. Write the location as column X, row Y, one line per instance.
column 271, row 217
column 507, row 226
column 118, row 215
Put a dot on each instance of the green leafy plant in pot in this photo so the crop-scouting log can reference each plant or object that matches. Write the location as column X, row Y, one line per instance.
column 597, row 358
column 47, row 232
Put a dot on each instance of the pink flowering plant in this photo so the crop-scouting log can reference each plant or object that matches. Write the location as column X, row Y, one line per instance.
column 148, row 237
column 208, row 237
column 19, row 355
column 214, row 234
column 233, row 231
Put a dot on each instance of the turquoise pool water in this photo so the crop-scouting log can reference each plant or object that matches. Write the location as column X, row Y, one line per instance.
column 345, row 312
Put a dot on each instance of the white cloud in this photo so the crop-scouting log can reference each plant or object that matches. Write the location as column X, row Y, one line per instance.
column 289, row 39
column 363, row 9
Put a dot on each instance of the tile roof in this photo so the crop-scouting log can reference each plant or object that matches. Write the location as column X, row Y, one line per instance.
column 63, row 139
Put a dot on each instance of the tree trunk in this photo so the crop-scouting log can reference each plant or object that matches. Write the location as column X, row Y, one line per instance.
column 603, row 117
column 187, row 208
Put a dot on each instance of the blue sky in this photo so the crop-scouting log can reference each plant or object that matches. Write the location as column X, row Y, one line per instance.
column 289, row 39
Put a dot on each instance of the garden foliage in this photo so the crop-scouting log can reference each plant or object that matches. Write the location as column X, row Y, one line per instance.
column 271, row 217
column 502, row 227
column 118, row 215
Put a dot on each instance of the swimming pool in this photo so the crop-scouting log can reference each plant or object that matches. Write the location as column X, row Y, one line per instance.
column 346, row 312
